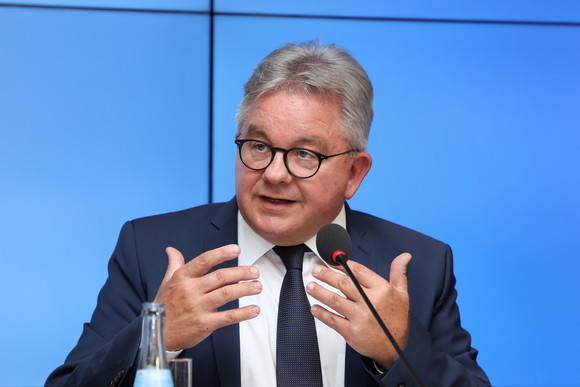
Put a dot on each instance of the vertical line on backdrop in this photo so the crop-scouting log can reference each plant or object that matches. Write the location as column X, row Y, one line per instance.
column 210, row 153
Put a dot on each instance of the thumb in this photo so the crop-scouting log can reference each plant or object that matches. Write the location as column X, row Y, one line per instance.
column 398, row 274
column 175, row 261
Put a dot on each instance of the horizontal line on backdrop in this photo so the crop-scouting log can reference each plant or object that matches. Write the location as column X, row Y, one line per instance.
column 301, row 16
column 399, row 19
column 106, row 9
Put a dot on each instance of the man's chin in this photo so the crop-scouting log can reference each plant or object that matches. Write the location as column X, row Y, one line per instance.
column 282, row 234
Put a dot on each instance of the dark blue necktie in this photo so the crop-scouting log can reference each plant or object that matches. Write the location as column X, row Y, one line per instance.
column 297, row 357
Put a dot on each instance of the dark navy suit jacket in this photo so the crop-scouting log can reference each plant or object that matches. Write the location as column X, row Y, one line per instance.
column 107, row 351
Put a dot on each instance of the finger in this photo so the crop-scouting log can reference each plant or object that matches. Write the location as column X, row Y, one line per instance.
column 398, row 274
column 233, row 316
column 226, row 276
column 175, row 261
column 334, row 321
column 336, row 280
column 331, row 299
column 203, row 263
column 225, row 294
column 365, row 276
column 197, row 328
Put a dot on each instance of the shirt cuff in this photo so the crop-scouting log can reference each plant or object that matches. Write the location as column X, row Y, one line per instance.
column 172, row 354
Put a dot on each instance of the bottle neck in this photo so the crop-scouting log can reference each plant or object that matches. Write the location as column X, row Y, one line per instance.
column 153, row 355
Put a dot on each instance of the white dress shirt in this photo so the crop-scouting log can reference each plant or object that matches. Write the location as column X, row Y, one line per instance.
column 258, row 335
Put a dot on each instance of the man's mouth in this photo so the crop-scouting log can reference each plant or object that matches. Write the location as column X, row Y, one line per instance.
column 274, row 200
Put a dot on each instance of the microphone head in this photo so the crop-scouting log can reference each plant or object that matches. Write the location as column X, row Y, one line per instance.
column 330, row 239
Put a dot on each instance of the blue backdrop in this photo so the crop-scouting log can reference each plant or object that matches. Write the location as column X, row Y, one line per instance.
column 105, row 117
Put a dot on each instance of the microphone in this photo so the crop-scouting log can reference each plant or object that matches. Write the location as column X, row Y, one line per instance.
column 334, row 246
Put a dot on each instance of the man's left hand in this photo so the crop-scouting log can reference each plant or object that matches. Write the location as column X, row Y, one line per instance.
column 353, row 319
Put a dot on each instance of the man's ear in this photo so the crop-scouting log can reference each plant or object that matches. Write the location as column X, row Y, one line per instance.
column 359, row 169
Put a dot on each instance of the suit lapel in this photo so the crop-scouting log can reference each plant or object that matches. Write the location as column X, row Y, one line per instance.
column 226, row 341
column 363, row 252
column 365, row 249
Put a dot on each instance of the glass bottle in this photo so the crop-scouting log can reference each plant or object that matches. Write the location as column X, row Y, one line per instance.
column 153, row 369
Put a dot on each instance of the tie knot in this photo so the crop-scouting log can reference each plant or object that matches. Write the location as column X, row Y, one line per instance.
column 292, row 256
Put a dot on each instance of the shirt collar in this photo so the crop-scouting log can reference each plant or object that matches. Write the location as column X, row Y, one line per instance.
column 253, row 246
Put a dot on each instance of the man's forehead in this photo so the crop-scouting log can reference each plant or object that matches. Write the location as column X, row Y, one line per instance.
column 328, row 98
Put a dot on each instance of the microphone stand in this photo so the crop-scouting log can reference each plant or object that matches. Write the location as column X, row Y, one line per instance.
column 340, row 258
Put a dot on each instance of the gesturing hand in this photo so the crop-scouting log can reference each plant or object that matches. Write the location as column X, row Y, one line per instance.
column 192, row 296
column 356, row 322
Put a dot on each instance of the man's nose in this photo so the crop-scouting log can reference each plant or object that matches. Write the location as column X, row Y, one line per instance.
column 277, row 171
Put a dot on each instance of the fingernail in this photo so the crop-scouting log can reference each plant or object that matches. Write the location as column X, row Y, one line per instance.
column 258, row 285
column 310, row 286
column 316, row 270
column 255, row 272
column 256, row 310
column 235, row 249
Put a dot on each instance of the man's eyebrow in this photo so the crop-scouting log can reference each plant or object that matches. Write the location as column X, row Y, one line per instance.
column 256, row 132
column 309, row 142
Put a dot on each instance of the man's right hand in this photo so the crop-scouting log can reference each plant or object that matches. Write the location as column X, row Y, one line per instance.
column 192, row 296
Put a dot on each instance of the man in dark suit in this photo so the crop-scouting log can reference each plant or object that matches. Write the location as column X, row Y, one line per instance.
column 302, row 133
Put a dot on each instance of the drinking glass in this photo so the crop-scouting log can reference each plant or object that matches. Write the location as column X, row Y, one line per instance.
column 181, row 371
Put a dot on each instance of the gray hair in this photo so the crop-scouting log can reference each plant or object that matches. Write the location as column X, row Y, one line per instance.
column 326, row 70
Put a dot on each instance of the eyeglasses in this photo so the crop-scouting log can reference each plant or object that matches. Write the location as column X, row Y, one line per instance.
column 300, row 162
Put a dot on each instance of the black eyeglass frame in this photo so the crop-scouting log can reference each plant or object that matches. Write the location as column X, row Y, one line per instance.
column 275, row 149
